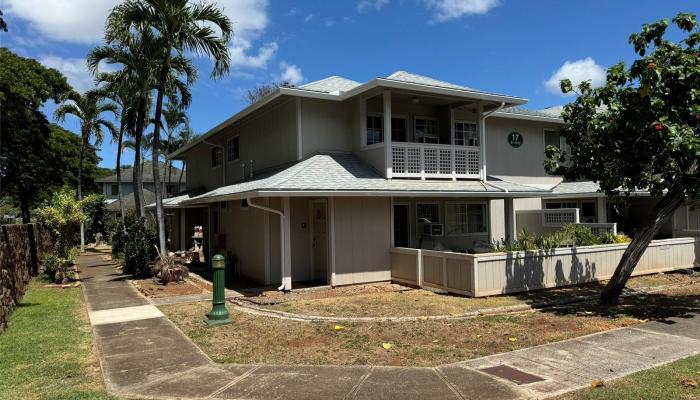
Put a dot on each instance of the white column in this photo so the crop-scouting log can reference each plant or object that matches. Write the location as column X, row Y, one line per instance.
column 511, row 229
column 331, row 236
column 482, row 141
column 287, row 245
column 266, row 241
column 300, row 153
column 387, row 132
column 452, row 142
column 602, row 206
column 497, row 221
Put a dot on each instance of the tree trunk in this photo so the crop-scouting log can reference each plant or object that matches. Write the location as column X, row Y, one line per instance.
column 83, row 144
column 160, row 217
column 673, row 199
column 138, row 176
column 119, row 170
column 24, row 206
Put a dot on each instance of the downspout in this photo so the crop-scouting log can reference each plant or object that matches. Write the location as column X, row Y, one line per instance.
column 483, row 141
column 223, row 162
column 282, row 238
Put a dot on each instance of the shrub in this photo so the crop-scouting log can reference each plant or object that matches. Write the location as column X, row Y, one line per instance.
column 579, row 235
column 62, row 215
column 58, row 269
column 116, row 235
column 139, row 246
column 569, row 235
column 170, row 269
column 96, row 213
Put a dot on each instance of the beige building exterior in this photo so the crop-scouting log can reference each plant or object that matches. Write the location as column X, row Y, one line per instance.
column 317, row 184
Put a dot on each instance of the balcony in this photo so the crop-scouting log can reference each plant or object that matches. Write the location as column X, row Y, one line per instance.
column 423, row 160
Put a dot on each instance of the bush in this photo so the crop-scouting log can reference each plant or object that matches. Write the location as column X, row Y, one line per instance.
column 579, row 235
column 170, row 269
column 96, row 213
column 570, row 235
column 58, row 269
column 62, row 215
column 116, row 235
column 139, row 246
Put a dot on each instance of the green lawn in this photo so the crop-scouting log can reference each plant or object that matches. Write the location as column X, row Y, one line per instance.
column 658, row 383
column 47, row 352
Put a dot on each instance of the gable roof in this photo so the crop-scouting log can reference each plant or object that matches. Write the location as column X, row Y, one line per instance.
column 147, row 168
column 129, row 202
column 332, row 84
column 346, row 175
column 409, row 77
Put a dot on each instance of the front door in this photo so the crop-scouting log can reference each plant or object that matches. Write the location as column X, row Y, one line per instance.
column 401, row 225
column 319, row 240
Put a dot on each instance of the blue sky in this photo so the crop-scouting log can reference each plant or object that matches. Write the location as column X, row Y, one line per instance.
column 517, row 47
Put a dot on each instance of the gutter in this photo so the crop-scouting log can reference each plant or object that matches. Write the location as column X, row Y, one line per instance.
column 223, row 155
column 284, row 286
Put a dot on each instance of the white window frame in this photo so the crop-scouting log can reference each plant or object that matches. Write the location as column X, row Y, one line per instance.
column 381, row 126
column 466, row 204
column 215, row 149
column 229, row 146
column 476, row 131
column 437, row 127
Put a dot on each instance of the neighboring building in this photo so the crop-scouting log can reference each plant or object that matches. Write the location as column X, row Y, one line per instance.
column 110, row 188
column 316, row 183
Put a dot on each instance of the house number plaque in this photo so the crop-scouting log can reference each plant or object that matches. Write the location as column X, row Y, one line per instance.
column 515, row 139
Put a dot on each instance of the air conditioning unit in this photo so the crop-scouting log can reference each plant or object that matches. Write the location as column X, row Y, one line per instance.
column 434, row 230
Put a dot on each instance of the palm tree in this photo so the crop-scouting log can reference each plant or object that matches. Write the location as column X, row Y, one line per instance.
column 182, row 27
column 175, row 120
column 136, row 53
column 88, row 108
column 120, row 91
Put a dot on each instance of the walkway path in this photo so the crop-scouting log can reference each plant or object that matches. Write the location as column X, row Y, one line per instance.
column 144, row 355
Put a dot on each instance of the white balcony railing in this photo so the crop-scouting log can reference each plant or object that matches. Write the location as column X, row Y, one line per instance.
column 422, row 160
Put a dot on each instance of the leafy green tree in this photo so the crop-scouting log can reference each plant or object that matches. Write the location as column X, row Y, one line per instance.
column 25, row 85
column 63, row 157
column 639, row 131
column 175, row 121
column 88, row 108
column 181, row 27
column 63, row 215
column 3, row 24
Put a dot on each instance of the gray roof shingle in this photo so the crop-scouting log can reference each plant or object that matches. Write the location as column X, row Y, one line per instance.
column 331, row 84
column 409, row 77
column 581, row 187
column 346, row 172
column 127, row 173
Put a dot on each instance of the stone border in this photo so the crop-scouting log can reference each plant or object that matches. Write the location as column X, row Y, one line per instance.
column 248, row 308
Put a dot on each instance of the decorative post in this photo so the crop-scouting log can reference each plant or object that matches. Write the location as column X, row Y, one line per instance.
column 218, row 314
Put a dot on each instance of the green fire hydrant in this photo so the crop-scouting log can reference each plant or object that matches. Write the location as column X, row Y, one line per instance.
column 218, row 314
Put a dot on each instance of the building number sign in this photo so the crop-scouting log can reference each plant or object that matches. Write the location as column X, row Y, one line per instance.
column 515, row 139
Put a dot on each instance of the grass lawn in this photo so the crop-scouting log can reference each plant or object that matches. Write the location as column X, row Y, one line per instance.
column 418, row 302
column 417, row 343
column 659, row 383
column 47, row 351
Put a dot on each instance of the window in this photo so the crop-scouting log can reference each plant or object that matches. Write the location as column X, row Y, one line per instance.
column 560, row 204
column 233, row 149
column 428, row 213
column 426, row 130
column 465, row 218
column 375, row 130
column 216, row 157
column 398, row 129
column 466, row 134
column 114, row 189
column 588, row 211
column 552, row 138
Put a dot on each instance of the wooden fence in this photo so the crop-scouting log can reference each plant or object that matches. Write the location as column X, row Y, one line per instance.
column 498, row 273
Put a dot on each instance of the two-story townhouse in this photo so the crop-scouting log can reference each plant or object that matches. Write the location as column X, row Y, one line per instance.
column 319, row 182
column 110, row 187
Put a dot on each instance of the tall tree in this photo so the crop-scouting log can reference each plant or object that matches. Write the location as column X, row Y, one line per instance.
column 175, row 120
column 639, row 131
column 3, row 24
column 182, row 27
column 88, row 108
column 25, row 85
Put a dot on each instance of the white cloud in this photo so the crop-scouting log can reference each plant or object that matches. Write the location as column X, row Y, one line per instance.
column 328, row 22
column 75, row 21
column 576, row 71
column 308, row 18
column 290, row 73
column 366, row 5
column 454, row 9
column 241, row 57
column 74, row 69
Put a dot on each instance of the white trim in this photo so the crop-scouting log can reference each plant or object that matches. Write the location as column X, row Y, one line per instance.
column 300, row 153
column 287, row 277
column 386, row 97
column 331, row 236
column 482, row 140
column 464, row 121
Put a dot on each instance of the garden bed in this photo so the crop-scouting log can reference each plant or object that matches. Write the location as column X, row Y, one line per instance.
column 420, row 342
column 153, row 288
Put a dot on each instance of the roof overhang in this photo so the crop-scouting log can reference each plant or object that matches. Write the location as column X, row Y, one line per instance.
column 504, row 114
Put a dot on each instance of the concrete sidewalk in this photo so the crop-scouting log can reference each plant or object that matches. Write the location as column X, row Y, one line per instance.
column 144, row 355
